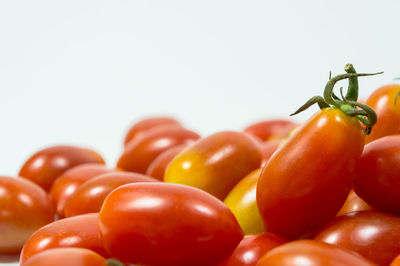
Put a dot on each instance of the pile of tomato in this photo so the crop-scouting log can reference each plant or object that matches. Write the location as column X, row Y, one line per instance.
column 325, row 192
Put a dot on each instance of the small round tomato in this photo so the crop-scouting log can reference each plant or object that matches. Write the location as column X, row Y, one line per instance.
column 90, row 196
column 66, row 257
column 45, row 166
column 252, row 248
column 242, row 202
column 79, row 231
column 353, row 203
column 66, row 185
column 169, row 224
column 140, row 152
column 24, row 208
column 271, row 129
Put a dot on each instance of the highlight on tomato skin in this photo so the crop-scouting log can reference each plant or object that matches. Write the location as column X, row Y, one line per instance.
column 353, row 203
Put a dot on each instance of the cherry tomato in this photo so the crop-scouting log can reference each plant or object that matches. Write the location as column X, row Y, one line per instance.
column 79, row 231
column 142, row 126
column 46, row 165
column 160, row 163
column 267, row 149
column 66, row 257
column 353, row 203
column 307, row 180
column 216, row 163
column 242, row 202
column 383, row 102
column 311, row 253
column 140, row 152
column 378, row 174
column 24, row 208
column 252, row 248
column 271, row 129
column 68, row 183
column 396, row 261
column 90, row 196
column 372, row 234
column 160, row 223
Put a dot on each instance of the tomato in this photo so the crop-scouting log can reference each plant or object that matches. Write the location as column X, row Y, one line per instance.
column 45, row 166
column 160, row 163
column 311, row 253
column 24, row 208
column 267, row 149
column 374, row 235
column 160, row 223
column 353, row 203
column 383, row 102
column 396, row 261
column 378, row 174
column 252, row 248
column 242, row 202
column 90, row 196
column 143, row 125
column 66, row 257
column 216, row 163
column 140, row 152
column 271, row 129
column 79, row 231
column 68, row 183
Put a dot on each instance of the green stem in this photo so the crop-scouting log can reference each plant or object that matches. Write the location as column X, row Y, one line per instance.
column 316, row 99
column 114, row 262
column 352, row 91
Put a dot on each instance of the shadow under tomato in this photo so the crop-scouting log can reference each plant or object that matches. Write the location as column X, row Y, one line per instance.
column 9, row 258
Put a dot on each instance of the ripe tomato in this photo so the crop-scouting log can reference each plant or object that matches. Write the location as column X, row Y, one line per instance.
column 46, row 165
column 374, row 235
column 267, row 149
column 252, row 248
column 68, row 183
column 140, row 152
column 90, row 196
column 378, row 174
column 216, row 163
column 353, row 203
column 66, row 257
column 271, row 129
column 312, row 253
column 242, row 202
column 143, row 125
column 79, row 231
column 396, row 261
column 383, row 102
column 24, row 208
column 169, row 224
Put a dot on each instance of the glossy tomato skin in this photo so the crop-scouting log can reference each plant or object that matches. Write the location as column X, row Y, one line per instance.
column 375, row 235
column 378, row 174
column 215, row 163
column 143, row 125
column 252, row 248
column 167, row 224
column 271, row 129
column 45, row 166
column 307, row 180
column 353, row 203
column 242, row 202
column 396, row 261
column 68, row 183
column 66, row 257
column 312, row 253
column 267, row 149
column 140, row 152
column 79, row 231
column 24, row 208
column 382, row 101
column 90, row 196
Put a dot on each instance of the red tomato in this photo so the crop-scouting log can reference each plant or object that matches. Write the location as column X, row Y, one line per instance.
column 46, row 165
column 271, row 129
column 267, row 149
column 396, row 261
column 378, row 174
column 312, row 253
column 79, row 231
column 252, row 248
column 143, row 125
column 66, row 257
column 68, row 183
column 353, row 203
column 374, row 235
column 90, row 196
column 140, row 152
column 160, row 163
column 168, row 224
column 307, row 180
column 24, row 208
column 382, row 101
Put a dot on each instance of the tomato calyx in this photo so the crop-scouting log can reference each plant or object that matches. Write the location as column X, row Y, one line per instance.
column 114, row 262
column 348, row 104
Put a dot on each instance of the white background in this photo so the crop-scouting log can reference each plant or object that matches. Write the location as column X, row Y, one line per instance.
column 80, row 72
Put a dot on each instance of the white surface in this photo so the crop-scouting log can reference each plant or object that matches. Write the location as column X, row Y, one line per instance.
column 80, row 72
